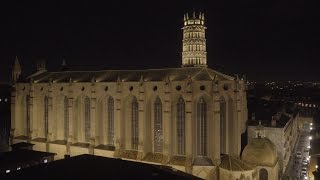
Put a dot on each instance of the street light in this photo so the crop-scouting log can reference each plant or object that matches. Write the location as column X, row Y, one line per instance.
column 311, row 124
column 310, row 137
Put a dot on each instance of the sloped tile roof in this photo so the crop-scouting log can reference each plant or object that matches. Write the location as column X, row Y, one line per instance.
column 172, row 74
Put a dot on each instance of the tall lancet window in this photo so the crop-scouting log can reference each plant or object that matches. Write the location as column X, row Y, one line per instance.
column 202, row 123
column 157, row 134
column 66, row 118
column 28, row 114
column 181, row 126
column 134, row 124
column 87, row 119
column 223, row 125
column 110, row 112
column 46, row 115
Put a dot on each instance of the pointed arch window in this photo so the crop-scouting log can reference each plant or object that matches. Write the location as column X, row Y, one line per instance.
column 46, row 115
column 87, row 118
column 28, row 114
column 181, row 126
column 110, row 112
column 202, row 142
column 66, row 117
column 157, row 134
column 263, row 174
column 134, row 124
column 223, row 125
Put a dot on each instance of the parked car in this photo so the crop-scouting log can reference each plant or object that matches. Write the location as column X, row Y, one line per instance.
column 298, row 154
column 305, row 162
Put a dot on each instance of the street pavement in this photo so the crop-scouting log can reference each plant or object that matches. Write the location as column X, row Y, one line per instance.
column 295, row 164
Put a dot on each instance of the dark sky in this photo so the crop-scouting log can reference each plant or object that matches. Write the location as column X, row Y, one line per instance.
column 262, row 39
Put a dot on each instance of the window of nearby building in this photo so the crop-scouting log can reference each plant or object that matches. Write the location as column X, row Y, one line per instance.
column 110, row 112
column 158, row 136
column 87, row 118
column 134, row 124
column 202, row 127
column 66, row 118
column 181, row 126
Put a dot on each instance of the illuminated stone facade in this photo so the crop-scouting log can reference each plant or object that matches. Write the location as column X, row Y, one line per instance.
column 194, row 41
column 180, row 117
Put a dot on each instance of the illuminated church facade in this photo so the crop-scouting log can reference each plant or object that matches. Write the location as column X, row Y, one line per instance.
column 181, row 117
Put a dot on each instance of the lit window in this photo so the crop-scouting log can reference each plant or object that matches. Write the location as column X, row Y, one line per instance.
column 202, row 127
column 66, row 118
column 157, row 129
column 134, row 124
column 87, row 119
column 181, row 126
column 46, row 115
column 222, row 125
column 28, row 114
column 110, row 112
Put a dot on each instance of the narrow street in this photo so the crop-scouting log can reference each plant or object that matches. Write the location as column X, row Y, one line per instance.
column 298, row 162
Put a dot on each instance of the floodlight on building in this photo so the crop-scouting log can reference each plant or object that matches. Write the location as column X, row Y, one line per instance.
column 316, row 166
column 309, row 147
column 8, row 170
column 311, row 124
column 305, row 177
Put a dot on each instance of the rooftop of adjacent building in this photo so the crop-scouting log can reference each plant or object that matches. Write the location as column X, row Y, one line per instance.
column 96, row 167
column 11, row 159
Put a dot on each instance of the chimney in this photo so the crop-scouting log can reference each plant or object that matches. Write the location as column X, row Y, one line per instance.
column 274, row 121
column 253, row 116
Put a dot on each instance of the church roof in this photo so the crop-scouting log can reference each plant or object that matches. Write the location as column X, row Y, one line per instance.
column 232, row 163
column 260, row 151
column 172, row 74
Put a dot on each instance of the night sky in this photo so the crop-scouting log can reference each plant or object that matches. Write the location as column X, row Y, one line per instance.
column 262, row 39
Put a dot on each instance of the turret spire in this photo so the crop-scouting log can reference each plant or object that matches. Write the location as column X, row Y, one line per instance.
column 16, row 72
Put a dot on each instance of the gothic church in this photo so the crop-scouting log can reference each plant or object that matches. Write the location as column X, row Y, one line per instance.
column 185, row 117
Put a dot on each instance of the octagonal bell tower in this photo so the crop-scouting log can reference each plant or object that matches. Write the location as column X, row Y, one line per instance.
column 194, row 41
